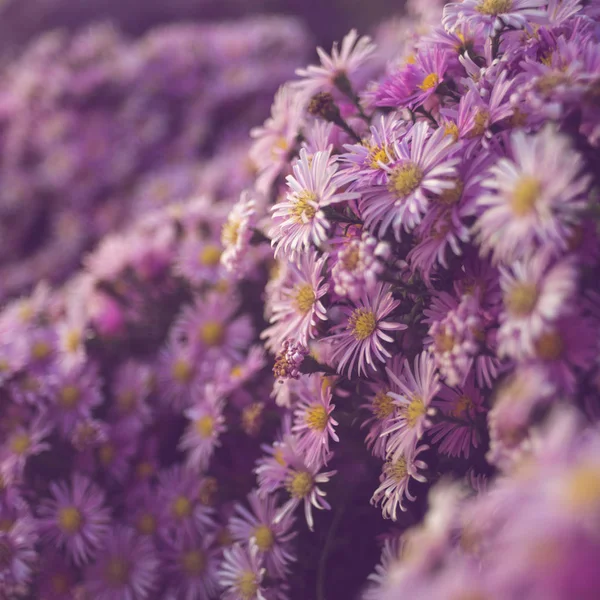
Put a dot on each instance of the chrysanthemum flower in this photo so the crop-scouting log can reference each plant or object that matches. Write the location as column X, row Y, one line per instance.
column 459, row 435
column 126, row 568
column 535, row 293
column 75, row 519
column 199, row 260
column 418, row 388
column 363, row 331
column 207, row 423
column 177, row 375
column 237, row 231
column 495, row 14
column 241, row 573
column 299, row 220
column 534, row 199
column 394, row 479
column 297, row 308
column 313, row 423
column 191, row 568
column 341, row 65
column 272, row 539
column 420, row 165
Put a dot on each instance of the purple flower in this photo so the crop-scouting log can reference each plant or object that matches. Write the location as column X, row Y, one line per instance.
column 126, row 568
column 177, row 375
column 363, row 331
column 420, row 165
column 523, row 210
column 75, row 518
column 273, row 540
column 18, row 556
column 241, row 573
column 237, row 231
column 313, row 423
column 199, row 260
column 299, row 221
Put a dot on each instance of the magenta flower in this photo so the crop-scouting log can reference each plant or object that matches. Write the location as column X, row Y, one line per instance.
column 417, row 390
column 313, row 423
column 273, row 540
column 75, row 518
column 299, row 221
column 126, row 568
column 363, row 331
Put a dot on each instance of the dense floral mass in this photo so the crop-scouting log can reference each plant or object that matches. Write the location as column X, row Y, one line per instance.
column 356, row 357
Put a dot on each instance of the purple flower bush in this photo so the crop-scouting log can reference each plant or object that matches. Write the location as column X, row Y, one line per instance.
column 357, row 358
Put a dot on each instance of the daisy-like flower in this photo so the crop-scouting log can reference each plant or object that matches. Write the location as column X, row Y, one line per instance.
column 416, row 82
column 177, row 375
column 75, row 518
column 417, row 389
column 57, row 578
column 337, row 70
column 299, row 220
column 298, row 307
column 126, row 568
column 76, row 394
column 271, row 469
column 495, row 15
column 394, row 480
column 237, row 231
column 191, row 568
column 241, row 573
column 458, row 435
column 211, row 329
column 391, row 555
column 313, row 423
column 272, row 539
column 536, row 292
column 182, row 514
column 199, row 260
column 18, row 555
column 130, row 390
column 532, row 200
column 207, row 423
column 358, row 264
column 418, row 165
column 363, row 331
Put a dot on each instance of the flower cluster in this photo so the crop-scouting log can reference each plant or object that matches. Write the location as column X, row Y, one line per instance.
column 261, row 379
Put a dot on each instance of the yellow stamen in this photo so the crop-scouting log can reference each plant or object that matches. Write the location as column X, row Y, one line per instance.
column 582, row 488
column 303, row 210
column 264, row 537
column 300, row 485
column 117, row 571
column 69, row 396
column 414, row 411
column 182, row 371
column 70, row 519
column 247, row 585
column 550, row 346
column 397, row 469
column 463, row 404
column 525, row 195
column 494, row 7
column 317, row 417
column 405, row 179
column 383, row 405
column 210, row 255
column 205, row 426
column 212, row 333
column 194, row 562
column 521, row 299
column 20, row 443
column 181, row 507
column 146, row 524
column 430, row 82
column 362, row 323
column 305, row 298
column 40, row 350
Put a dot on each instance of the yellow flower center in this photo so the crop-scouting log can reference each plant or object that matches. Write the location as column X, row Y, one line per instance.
column 264, row 537
column 444, row 341
column 252, row 418
column 383, row 405
column 463, row 404
column 451, row 128
column 278, row 456
column 106, row 454
column 212, row 333
column 146, row 524
column 525, row 195
column 69, row 396
column 300, row 485
column 481, row 123
column 414, row 411
column 549, row 346
column 582, row 489
column 20, row 443
column 237, row 371
column 405, row 179
column 117, row 571
column 350, row 258
column 181, row 507
column 521, row 299
column 494, row 7
column 205, row 426
column 362, row 323
column 210, row 255
column 194, row 562
column 229, row 234
column 317, row 417
column 305, row 298
column 247, row 585
column 40, row 350
column 451, row 196
column 208, row 491
column 72, row 340
column 182, row 371
column 377, row 155
column 430, row 82
column 303, row 210
column 144, row 470
column 70, row 519
column 397, row 469
column 126, row 401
